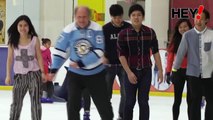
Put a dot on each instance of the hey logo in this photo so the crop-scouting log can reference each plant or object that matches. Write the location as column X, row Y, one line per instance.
column 182, row 13
column 200, row 10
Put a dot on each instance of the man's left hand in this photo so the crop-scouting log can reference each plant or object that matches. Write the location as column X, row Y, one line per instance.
column 74, row 65
column 160, row 76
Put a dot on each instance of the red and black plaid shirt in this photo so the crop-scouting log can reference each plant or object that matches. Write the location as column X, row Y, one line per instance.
column 136, row 46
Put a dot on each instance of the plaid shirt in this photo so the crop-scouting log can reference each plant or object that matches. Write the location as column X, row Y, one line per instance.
column 135, row 46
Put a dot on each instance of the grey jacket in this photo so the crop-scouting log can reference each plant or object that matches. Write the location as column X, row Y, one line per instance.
column 199, row 49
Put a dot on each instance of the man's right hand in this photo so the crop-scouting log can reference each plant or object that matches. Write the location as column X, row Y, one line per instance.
column 132, row 78
column 51, row 76
column 104, row 60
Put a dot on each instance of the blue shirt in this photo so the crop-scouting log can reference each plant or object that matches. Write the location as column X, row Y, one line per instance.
column 85, row 47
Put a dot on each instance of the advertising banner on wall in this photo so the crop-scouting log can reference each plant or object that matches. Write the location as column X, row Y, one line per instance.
column 2, row 21
column 97, row 8
column 186, row 9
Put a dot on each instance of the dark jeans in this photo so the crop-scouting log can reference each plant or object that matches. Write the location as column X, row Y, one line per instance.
column 179, row 80
column 62, row 93
column 112, row 71
column 198, row 88
column 49, row 88
column 86, row 100
column 96, row 85
column 142, row 88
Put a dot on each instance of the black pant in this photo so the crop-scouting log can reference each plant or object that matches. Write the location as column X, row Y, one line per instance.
column 49, row 88
column 96, row 86
column 179, row 82
column 198, row 88
column 86, row 100
column 110, row 77
column 140, row 91
column 62, row 93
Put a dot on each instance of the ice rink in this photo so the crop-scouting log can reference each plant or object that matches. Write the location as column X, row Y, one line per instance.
column 160, row 109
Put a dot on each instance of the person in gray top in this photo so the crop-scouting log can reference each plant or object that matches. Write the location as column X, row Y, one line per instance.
column 197, row 44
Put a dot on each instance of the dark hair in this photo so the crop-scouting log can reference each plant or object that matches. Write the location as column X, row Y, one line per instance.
column 136, row 7
column 13, row 33
column 45, row 40
column 176, row 38
column 206, row 12
column 116, row 10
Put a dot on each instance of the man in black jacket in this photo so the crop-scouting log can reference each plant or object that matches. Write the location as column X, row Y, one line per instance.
column 111, row 30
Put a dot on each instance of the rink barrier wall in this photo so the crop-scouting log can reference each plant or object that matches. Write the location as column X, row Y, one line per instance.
column 161, row 90
column 152, row 93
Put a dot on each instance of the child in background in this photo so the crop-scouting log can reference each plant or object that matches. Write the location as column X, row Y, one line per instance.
column 24, row 51
column 47, row 86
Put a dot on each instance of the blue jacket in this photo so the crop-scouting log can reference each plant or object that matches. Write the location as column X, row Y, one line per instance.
column 86, row 47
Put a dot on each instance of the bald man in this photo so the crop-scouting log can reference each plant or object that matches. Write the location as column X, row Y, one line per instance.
column 84, row 38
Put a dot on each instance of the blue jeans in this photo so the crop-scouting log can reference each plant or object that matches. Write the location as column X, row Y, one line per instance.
column 112, row 71
column 142, row 88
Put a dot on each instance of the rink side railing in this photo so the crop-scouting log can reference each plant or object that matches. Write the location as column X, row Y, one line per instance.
column 152, row 93
column 156, row 89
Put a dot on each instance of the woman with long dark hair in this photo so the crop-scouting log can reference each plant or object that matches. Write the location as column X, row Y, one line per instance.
column 24, row 50
column 179, row 78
